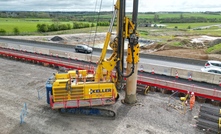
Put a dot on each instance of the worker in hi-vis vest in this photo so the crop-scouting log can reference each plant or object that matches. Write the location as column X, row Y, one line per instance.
column 192, row 100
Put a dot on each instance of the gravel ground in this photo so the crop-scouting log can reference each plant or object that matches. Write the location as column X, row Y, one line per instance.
column 19, row 83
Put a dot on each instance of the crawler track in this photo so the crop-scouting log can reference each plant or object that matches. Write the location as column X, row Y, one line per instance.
column 104, row 112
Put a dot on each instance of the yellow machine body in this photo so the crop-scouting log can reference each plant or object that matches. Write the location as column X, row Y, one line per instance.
column 72, row 86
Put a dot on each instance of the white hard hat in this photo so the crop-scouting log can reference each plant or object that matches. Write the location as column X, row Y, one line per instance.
column 192, row 93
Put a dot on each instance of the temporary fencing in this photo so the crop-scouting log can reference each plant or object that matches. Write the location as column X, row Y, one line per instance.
column 24, row 113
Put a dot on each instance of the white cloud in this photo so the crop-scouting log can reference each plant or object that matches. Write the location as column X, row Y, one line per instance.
column 89, row 5
column 179, row 5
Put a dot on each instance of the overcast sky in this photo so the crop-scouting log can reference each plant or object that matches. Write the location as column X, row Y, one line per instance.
column 89, row 5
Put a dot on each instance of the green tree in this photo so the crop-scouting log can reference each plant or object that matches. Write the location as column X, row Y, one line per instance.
column 92, row 25
column 181, row 16
column 75, row 25
column 103, row 23
column 16, row 31
column 42, row 28
column 189, row 27
column 156, row 18
column 2, row 32
column 69, row 26
column 63, row 27
column 53, row 27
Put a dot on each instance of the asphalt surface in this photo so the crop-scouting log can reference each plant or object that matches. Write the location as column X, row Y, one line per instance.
column 98, row 52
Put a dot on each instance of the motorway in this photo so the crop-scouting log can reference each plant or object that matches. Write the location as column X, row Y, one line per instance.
column 97, row 52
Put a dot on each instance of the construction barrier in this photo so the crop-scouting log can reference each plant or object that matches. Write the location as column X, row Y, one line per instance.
column 27, row 48
column 58, row 53
column 146, row 67
column 152, row 68
column 24, row 113
column 41, row 93
column 41, row 51
column 169, row 85
column 4, row 45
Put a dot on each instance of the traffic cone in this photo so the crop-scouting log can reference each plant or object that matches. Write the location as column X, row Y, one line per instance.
column 152, row 71
column 141, row 68
column 93, row 70
column 177, row 75
column 190, row 78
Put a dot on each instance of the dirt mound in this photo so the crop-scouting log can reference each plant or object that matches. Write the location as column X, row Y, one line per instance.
column 215, row 42
column 185, row 53
column 160, row 47
column 57, row 38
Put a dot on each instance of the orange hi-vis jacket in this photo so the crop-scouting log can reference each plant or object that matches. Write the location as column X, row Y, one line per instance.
column 192, row 101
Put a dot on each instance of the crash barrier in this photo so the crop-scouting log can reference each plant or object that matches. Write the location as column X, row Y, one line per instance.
column 152, row 68
column 184, row 88
column 143, row 67
column 196, row 76
column 23, row 114
column 160, row 83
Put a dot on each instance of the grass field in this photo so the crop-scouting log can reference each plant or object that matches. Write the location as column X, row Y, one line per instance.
column 214, row 49
column 165, row 15
column 192, row 25
column 177, row 15
column 28, row 26
column 24, row 25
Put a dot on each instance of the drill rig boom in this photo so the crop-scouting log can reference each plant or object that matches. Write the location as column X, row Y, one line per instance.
column 80, row 89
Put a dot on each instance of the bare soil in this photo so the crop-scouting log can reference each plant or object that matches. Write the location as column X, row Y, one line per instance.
column 19, row 83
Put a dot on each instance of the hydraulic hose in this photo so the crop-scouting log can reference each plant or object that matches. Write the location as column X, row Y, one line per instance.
column 132, row 71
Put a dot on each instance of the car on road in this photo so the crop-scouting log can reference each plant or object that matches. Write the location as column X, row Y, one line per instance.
column 83, row 48
column 212, row 63
column 213, row 70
